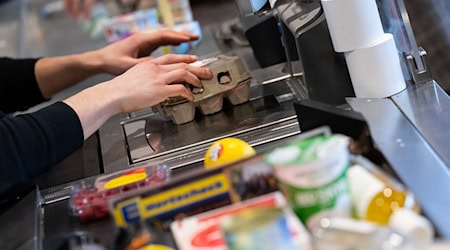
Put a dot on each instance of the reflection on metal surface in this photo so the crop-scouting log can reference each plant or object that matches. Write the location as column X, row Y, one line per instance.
column 164, row 137
column 282, row 78
column 148, row 138
column 411, row 157
column 21, row 223
column 428, row 108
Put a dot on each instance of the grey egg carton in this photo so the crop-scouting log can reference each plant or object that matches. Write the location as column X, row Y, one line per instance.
column 230, row 80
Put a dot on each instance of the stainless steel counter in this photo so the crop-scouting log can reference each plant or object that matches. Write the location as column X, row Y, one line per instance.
column 411, row 130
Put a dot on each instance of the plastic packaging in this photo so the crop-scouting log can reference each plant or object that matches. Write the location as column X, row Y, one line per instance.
column 312, row 174
column 140, row 236
column 257, row 229
column 90, row 201
column 119, row 27
column 79, row 240
column 438, row 245
column 406, row 221
column 340, row 233
column 375, row 195
column 95, row 24
column 203, row 231
column 227, row 150
column 175, row 11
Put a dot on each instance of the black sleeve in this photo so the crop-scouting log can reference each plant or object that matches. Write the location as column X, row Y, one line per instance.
column 18, row 86
column 32, row 143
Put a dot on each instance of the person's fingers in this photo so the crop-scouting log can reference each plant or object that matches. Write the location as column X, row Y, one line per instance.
column 182, row 75
column 192, row 37
column 149, row 41
column 171, row 37
column 179, row 90
column 72, row 7
column 68, row 6
column 202, row 73
column 87, row 7
column 174, row 33
column 139, row 60
column 172, row 58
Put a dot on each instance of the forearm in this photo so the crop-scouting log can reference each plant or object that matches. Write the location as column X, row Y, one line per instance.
column 94, row 106
column 30, row 144
column 142, row 86
column 54, row 74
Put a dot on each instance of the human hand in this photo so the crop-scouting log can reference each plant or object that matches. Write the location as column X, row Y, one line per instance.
column 118, row 57
column 79, row 9
column 153, row 81
column 144, row 85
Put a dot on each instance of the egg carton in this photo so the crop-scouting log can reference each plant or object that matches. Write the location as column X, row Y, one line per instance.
column 230, row 80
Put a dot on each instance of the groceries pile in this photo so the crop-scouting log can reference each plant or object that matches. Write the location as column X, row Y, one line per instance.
column 309, row 194
column 90, row 199
column 163, row 14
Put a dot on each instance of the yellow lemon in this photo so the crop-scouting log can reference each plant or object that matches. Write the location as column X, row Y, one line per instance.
column 227, row 150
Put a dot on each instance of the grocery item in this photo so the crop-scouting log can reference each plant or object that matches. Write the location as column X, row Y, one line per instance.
column 121, row 26
column 312, row 174
column 77, row 240
column 408, row 222
column 375, row 200
column 90, row 199
column 203, row 231
column 175, row 11
column 226, row 151
column 230, row 80
column 257, row 229
column 200, row 191
column 94, row 25
column 139, row 236
column 381, row 199
column 438, row 245
column 342, row 233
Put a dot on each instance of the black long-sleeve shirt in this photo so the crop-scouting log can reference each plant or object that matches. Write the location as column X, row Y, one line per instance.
column 31, row 143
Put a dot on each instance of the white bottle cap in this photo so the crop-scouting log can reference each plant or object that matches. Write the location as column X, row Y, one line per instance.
column 363, row 187
column 413, row 225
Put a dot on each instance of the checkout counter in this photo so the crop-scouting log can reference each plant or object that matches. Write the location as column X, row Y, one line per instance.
column 409, row 128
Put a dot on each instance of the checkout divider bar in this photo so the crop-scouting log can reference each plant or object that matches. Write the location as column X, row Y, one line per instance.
column 256, row 137
column 411, row 156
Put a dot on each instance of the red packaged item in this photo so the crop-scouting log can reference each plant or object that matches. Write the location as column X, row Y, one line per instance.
column 203, row 231
column 90, row 199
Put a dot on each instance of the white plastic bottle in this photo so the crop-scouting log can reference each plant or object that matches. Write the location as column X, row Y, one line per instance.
column 374, row 199
column 381, row 200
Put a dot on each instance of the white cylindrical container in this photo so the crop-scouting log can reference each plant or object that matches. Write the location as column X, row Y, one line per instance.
column 353, row 24
column 410, row 223
column 375, row 71
column 312, row 174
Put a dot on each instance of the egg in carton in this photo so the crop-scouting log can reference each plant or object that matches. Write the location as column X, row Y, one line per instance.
column 230, row 80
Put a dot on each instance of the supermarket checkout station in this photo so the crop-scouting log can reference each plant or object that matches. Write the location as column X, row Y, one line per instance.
column 408, row 123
